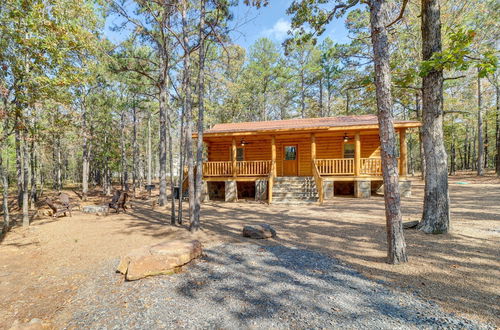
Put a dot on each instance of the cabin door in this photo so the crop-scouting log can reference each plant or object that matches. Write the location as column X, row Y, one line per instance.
column 290, row 160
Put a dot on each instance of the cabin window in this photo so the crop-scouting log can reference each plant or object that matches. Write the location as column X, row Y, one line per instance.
column 348, row 150
column 240, row 154
column 290, row 153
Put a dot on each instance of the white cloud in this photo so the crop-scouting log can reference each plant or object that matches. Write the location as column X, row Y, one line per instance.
column 278, row 31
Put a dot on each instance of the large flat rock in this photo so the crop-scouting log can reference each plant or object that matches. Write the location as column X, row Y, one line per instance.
column 259, row 232
column 98, row 209
column 159, row 259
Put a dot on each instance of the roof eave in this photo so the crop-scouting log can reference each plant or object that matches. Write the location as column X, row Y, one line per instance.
column 412, row 124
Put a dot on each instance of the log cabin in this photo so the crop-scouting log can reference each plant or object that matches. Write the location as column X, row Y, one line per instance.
column 299, row 160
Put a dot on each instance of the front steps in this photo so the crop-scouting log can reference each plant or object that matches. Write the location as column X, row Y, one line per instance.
column 294, row 190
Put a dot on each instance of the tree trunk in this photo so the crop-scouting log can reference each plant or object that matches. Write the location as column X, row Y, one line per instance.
column 85, row 157
column 396, row 246
column 149, row 151
column 195, row 223
column 34, row 166
column 171, row 166
column 347, row 103
column 181, row 168
column 19, row 161
column 321, row 112
column 302, row 95
column 135, row 149
column 436, row 213
column 162, row 198
column 480, row 144
column 26, row 178
column 497, row 131
column 5, row 195
column 188, row 110
column 421, row 145
column 123, row 153
column 56, row 154
column 466, row 149
column 486, row 140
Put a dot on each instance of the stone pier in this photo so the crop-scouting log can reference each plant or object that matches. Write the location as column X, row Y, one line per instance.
column 231, row 191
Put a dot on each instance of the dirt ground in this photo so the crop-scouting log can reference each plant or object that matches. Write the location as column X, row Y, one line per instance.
column 42, row 266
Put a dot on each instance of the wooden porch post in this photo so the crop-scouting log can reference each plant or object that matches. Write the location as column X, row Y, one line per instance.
column 403, row 154
column 313, row 147
column 357, row 155
column 233, row 155
column 273, row 154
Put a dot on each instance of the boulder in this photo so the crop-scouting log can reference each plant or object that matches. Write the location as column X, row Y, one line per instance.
column 410, row 224
column 259, row 232
column 159, row 259
column 98, row 209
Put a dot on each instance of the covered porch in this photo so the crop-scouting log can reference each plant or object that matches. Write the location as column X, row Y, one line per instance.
column 294, row 158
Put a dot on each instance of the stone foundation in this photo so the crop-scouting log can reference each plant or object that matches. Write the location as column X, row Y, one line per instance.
column 261, row 190
column 362, row 189
column 328, row 189
column 231, row 191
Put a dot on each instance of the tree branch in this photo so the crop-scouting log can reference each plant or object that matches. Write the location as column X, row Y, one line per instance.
column 400, row 16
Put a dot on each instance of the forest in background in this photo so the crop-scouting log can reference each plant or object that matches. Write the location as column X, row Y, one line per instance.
column 78, row 108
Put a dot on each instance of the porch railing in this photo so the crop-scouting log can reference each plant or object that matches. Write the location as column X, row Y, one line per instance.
column 218, row 168
column 345, row 166
column 371, row 166
column 243, row 168
column 253, row 168
column 335, row 166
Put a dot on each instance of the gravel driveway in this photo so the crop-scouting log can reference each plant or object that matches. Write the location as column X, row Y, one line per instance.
column 238, row 286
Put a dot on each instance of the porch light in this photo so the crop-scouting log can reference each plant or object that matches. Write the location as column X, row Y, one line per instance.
column 346, row 138
column 243, row 142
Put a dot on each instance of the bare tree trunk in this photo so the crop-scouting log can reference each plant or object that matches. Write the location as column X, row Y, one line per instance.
column 26, row 178
column 34, row 166
column 321, row 111
column 396, row 246
column 188, row 110
column 123, row 153
column 58, row 167
column 19, row 162
column 480, row 144
column 436, row 213
column 466, row 149
column 497, row 130
column 195, row 223
column 347, row 102
column 5, row 195
column 162, row 198
column 182, row 153
column 421, row 145
column 135, row 151
column 85, row 156
column 302, row 95
column 171, row 165
column 149, row 151
column 486, row 140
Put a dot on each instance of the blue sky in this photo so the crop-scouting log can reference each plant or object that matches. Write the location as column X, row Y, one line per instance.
column 250, row 24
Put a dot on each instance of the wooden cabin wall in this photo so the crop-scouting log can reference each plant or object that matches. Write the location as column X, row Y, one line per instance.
column 219, row 152
column 257, row 150
column 260, row 149
column 370, row 146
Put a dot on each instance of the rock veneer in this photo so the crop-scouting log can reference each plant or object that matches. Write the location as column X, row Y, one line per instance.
column 158, row 259
column 259, row 232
